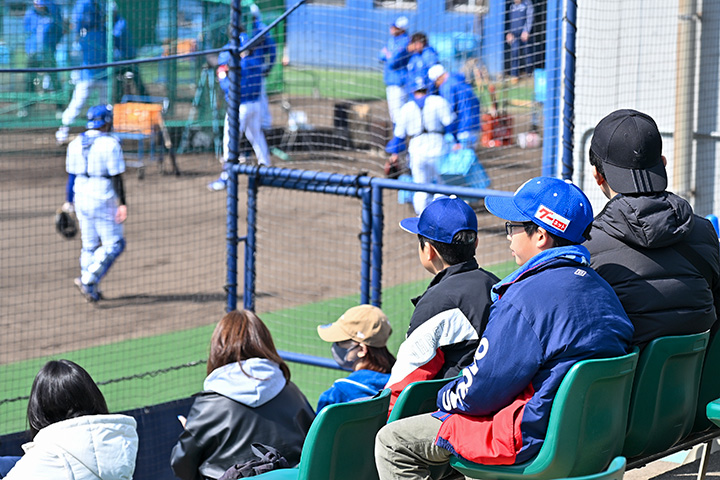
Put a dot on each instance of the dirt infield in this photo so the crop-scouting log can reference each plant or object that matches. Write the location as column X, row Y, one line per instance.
column 172, row 273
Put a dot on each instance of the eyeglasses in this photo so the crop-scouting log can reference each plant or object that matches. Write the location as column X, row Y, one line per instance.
column 509, row 227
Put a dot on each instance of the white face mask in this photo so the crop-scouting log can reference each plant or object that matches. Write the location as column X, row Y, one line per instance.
column 341, row 352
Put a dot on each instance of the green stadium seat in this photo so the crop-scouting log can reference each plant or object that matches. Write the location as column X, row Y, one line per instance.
column 709, row 383
column 417, row 398
column 713, row 412
column 340, row 443
column 615, row 471
column 587, row 423
column 665, row 393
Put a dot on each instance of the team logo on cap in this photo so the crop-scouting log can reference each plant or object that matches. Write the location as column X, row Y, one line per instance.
column 555, row 220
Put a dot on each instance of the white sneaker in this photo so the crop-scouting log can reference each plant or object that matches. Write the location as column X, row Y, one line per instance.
column 62, row 135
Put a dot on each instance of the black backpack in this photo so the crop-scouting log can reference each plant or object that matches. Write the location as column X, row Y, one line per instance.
column 270, row 460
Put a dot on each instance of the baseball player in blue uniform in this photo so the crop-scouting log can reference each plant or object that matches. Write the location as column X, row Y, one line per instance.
column 250, row 109
column 43, row 25
column 267, row 51
column 88, row 26
column 463, row 101
column 422, row 57
column 95, row 165
column 395, row 57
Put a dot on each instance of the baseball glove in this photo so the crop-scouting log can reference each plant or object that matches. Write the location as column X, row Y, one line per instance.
column 66, row 223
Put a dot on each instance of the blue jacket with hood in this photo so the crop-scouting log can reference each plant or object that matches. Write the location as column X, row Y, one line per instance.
column 359, row 384
column 547, row 315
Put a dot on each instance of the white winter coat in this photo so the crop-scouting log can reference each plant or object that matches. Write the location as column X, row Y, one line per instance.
column 91, row 447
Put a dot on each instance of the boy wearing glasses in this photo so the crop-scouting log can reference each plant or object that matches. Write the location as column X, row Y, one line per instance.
column 450, row 316
column 550, row 313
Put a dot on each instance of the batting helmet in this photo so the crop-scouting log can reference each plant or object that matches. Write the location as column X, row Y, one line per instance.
column 99, row 115
column 65, row 224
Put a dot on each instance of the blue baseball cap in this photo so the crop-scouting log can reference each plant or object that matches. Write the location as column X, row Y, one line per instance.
column 420, row 83
column 442, row 219
column 400, row 23
column 99, row 115
column 558, row 206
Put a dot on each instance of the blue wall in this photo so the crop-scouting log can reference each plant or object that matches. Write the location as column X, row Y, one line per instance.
column 352, row 36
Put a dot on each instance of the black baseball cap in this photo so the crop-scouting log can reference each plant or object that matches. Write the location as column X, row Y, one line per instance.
column 629, row 144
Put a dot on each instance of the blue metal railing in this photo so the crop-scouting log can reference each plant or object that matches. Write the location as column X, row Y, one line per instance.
column 369, row 190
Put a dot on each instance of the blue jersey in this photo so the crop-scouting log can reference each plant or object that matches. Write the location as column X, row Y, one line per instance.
column 88, row 19
column 44, row 30
column 250, row 77
column 266, row 49
column 395, row 57
column 419, row 64
column 547, row 315
column 465, row 105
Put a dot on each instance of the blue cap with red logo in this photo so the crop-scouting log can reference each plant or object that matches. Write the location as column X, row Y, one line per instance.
column 442, row 219
column 558, row 206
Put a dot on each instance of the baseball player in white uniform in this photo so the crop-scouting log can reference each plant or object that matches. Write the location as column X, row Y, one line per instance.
column 95, row 164
column 423, row 120
column 250, row 109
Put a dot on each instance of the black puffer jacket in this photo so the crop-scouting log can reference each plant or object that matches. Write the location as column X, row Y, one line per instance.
column 662, row 261
column 220, row 429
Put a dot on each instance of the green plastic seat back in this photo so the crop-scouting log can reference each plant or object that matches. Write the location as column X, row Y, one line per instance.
column 709, row 383
column 615, row 471
column 417, row 398
column 586, row 425
column 341, row 440
column 665, row 393
column 713, row 412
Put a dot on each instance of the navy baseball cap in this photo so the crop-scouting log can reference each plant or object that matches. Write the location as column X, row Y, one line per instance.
column 99, row 115
column 629, row 144
column 558, row 206
column 442, row 219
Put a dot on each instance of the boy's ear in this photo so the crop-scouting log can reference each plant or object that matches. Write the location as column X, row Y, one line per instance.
column 544, row 240
column 599, row 179
column 429, row 251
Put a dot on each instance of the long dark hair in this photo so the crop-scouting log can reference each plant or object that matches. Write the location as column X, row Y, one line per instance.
column 61, row 390
column 241, row 335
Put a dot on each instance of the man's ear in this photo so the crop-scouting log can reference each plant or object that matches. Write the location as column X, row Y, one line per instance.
column 664, row 160
column 363, row 350
column 599, row 179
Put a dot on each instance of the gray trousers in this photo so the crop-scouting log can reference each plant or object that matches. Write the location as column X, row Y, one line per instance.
column 405, row 449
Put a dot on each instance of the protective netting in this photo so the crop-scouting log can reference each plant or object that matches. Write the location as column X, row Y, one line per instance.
column 146, row 341
column 660, row 61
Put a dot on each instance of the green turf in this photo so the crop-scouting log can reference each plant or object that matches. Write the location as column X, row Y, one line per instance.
column 163, row 354
column 342, row 84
